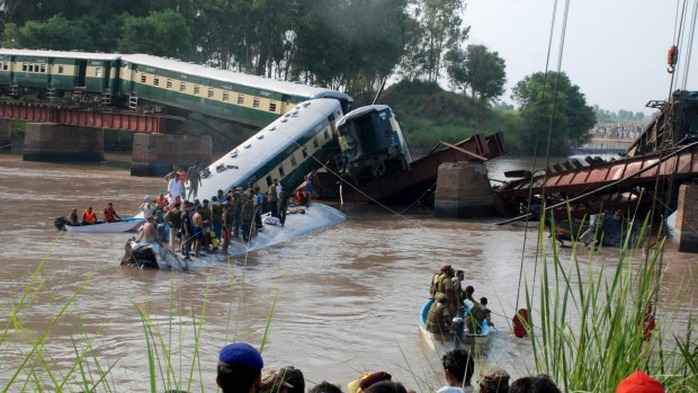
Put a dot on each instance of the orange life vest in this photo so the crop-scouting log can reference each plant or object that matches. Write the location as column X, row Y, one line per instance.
column 89, row 218
column 162, row 202
column 109, row 214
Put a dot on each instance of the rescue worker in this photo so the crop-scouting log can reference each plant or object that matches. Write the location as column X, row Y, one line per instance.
column 88, row 216
column 273, row 198
column 282, row 205
column 109, row 214
column 148, row 234
column 445, row 286
column 161, row 200
column 247, row 215
column 73, row 217
column 476, row 315
column 194, row 179
column 439, row 317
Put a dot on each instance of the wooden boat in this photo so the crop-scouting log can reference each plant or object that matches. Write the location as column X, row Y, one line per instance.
column 443, row 343
column 128, row 224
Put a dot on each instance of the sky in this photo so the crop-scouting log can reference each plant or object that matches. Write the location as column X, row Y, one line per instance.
column 614, row 50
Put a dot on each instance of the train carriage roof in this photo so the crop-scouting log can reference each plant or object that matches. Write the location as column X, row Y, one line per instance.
column 253, row 154
column 60, row 54
column 254, row 81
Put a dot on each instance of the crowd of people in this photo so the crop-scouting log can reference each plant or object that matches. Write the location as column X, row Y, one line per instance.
column 452, row 302
column 241, row 370
column 197, row 227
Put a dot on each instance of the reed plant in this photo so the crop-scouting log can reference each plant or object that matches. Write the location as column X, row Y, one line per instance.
column 591, row 321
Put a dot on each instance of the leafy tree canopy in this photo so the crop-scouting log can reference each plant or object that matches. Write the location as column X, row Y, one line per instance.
column 572, row 119
column 477, row 69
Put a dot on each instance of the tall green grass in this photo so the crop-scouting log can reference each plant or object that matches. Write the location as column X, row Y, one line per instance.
column 589, row 321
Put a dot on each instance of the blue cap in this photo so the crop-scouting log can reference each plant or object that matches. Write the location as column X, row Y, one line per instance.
column 241, row 353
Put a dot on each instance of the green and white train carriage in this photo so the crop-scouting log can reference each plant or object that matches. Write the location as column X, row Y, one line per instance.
column 235, row 96
column 287, row 149
column 85, row 76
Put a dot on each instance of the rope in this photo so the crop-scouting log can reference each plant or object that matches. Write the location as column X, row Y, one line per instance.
column 535, row 155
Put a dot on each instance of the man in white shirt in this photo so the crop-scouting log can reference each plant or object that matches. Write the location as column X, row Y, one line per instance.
column 175, row 188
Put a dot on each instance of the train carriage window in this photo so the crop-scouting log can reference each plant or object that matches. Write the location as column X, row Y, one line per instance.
column 168, row 84
column 305, row 153
column 144, row 78
column 210, row 92
column 293, row 161
column 31, row 67
column 156, row 81
column 98, row 72
column 326, row 134
column 43, row 68
column 241, row 99
column 255, row 102
column 272, row 106
column 196, row 89
column 269, row 181
column 60, row 69
column 182, row 86
column 4, row 66
column 226, row 96
column 316, row 144
column 282, row 173
column 24, row 67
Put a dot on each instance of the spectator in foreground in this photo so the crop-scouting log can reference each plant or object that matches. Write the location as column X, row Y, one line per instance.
column 639, row 382
column 273, row 382
column 295, row 378
column 363, row 382
column 538, row 384
column 458, row 368
column 494, row 379
column 239, row 369
column 325, row 387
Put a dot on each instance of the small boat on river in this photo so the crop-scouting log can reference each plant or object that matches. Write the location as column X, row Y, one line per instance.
column 443, row 343
column 128, row 224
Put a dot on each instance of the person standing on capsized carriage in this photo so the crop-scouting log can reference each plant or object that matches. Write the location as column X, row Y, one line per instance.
column 148, row 231
column 194, row 179
column 147, row 207
column 175, row 188
column 309, row 178
column 73, row 217
column 273, row 198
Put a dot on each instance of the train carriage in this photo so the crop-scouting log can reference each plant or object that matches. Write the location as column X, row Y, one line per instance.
column 287, row 149
column 86, row 76
column 243, row 98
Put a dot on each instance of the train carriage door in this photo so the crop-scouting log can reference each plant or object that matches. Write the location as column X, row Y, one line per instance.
column 106, row 76
column 82, row 71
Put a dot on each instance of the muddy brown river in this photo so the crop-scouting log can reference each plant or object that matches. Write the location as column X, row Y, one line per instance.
column 345, row 300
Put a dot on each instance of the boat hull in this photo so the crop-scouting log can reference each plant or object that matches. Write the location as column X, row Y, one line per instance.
column 125, row 225
column 443, row 343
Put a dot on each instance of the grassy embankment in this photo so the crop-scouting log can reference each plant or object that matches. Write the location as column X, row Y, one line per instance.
column 428, row 114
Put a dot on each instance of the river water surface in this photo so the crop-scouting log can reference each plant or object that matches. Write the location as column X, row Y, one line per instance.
column 346, row 298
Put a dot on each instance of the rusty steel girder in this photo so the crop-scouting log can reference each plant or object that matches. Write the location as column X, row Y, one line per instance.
column 82, row 117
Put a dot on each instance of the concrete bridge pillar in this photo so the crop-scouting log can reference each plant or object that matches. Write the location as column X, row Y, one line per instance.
column 463, row 190
column 5, row 135
column 155, row 154
column 62, row 143
column 686, row 230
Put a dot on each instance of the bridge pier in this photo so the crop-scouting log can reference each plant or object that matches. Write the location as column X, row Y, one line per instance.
column 463, row 190
column 686, row 230
column 154, row 154
column 5, row 135
column 62, row 143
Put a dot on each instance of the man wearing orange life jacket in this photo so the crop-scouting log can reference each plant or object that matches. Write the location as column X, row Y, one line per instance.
column 110, row 214
column 88, row 216
column 161, row 201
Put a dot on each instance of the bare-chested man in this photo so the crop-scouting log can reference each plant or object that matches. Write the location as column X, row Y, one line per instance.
column 148, row 234
column 198, row 234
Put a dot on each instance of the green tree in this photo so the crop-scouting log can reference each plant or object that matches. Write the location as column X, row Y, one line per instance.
column 573, row 117
column 478, row 69
column 162, row 33
column 438, row 26
column 56, row 33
